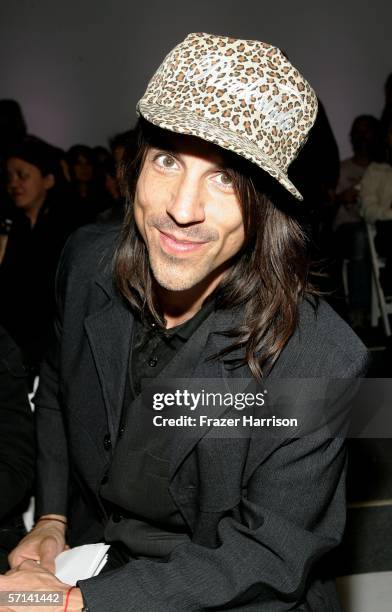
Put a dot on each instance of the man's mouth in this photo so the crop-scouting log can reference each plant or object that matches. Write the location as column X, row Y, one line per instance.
column 174, row 245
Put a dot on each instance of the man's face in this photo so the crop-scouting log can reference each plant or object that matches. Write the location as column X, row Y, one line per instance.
column 188, row 213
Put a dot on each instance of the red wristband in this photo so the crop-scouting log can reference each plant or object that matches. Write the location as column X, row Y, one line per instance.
column 44, row 518
column 67, row 598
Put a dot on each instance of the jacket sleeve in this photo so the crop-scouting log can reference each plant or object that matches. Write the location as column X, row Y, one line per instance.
column 292, row 514
column 17, row 448
column 52, row 453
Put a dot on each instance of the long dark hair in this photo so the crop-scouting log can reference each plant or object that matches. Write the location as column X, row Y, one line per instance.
column 268, row 277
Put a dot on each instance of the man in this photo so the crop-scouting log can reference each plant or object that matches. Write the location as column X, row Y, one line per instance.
column 209, row 282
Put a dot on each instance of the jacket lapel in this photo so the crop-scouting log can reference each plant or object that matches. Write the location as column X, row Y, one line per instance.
column 208, row 341
column 109, row 334
column 225, row 368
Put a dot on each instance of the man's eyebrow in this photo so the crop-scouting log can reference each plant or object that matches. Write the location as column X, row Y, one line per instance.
column 168, row 148
column 176, row 150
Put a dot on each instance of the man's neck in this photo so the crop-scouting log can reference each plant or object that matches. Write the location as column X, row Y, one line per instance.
column 178, row 307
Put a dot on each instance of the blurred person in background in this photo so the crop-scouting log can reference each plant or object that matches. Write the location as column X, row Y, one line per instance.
column 376, row 202
column 122, row 141
column 350, row 238
column 126, row 141
column 17, row 447
column 115, row 212
column 88, row 197
column 62, row 177
column 101, row 155
column 365, row 138
column 36, row 228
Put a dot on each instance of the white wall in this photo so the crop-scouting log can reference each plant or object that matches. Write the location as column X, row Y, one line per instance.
column 78, row 67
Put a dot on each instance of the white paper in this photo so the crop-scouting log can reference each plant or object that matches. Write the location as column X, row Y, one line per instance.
column 81, row 562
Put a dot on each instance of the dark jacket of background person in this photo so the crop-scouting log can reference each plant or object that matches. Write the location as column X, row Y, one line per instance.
column 27, row 276
column 261, row 513
column 17, row 446
column 88, row 196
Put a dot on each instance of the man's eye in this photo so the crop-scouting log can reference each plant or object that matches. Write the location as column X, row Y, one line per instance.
column 165, row 161
column 225, row 180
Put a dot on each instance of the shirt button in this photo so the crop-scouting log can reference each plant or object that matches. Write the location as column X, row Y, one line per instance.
column 116, row 517
column 107, row 442
column 121, row 430
column 152, row 362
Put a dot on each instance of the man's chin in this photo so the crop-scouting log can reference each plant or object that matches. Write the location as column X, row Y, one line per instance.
column 178, row 284
column 175, row 277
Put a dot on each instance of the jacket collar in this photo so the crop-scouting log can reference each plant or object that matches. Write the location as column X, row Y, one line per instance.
column 109, row 334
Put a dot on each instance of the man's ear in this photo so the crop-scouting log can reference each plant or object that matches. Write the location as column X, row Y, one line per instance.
column 49, row 181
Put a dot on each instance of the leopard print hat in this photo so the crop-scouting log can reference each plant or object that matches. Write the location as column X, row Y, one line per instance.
column 242, row 95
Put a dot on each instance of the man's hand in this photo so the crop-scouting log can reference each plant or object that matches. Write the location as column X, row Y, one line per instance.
column 43, row 544
column 30, row 576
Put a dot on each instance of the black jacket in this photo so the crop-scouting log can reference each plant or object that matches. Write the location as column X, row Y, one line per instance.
column 17, row 443
column 262, row 511
column 27, row 275
column 17, row 447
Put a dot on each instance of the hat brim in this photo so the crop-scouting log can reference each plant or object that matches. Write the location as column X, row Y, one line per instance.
column 185, row 122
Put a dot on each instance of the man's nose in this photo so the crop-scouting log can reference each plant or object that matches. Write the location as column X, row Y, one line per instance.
column 186, row 204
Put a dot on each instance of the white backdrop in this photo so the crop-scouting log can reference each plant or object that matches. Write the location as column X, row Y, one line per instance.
column 78, row 67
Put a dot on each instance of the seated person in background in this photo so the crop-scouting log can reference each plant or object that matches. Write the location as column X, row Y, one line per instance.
column 350, row 239
column 121, row 142
column 365, row 137
column 88, row 195
column 101, row 155
column 17, row 447
column 207, row 280
column 115, row 213
column 376, row 207
column 36, row 231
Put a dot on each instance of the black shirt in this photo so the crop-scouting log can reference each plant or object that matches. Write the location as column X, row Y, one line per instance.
column 144, row 521
column 153, row 348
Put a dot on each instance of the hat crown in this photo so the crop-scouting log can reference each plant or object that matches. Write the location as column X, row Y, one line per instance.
column 257, row 104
